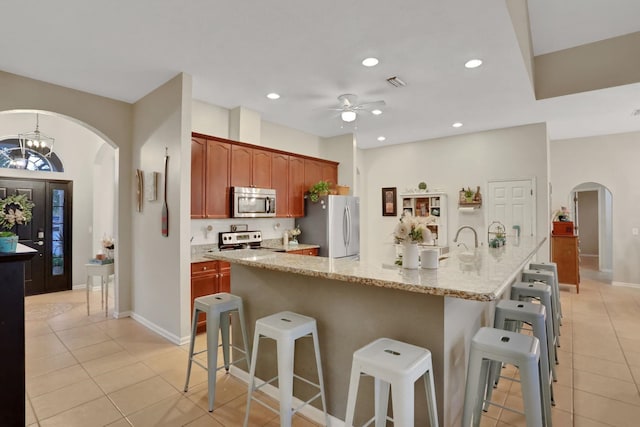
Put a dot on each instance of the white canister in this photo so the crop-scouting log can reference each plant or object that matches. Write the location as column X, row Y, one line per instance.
column 429, row 258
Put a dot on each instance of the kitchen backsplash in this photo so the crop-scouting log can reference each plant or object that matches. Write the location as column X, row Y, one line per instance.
column 271, row 228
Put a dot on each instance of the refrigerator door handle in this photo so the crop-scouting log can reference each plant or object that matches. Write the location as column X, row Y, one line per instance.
column 348, row 226
column 344, row 226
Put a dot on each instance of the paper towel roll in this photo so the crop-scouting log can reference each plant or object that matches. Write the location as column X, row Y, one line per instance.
column 429, row 258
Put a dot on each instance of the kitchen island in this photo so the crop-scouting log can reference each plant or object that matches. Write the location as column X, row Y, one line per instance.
column 355, row 302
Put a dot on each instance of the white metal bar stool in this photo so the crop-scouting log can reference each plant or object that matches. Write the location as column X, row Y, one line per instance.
column 523, row 351
column 546, row 277
column 524, row 291
column 218, row 307
column 509, row 312
column 552, row 267
column 285, row 328
column 396, row 365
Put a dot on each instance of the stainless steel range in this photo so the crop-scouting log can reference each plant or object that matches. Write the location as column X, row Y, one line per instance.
column 239, row 240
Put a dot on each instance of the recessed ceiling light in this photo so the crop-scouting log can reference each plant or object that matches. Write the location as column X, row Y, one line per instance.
column 370, row 62
column 273, row 95
column 457, row 125
column 376, row 112
column 381, row 138
column 473, row 63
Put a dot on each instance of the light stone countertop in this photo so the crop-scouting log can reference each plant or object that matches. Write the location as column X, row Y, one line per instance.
column 482, row 274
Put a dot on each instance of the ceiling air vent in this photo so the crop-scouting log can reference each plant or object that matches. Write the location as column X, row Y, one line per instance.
column 636, row 112
column 396, row 82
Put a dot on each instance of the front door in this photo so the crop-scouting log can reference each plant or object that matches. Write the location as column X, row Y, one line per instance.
column 49, row 232
column 511, row 203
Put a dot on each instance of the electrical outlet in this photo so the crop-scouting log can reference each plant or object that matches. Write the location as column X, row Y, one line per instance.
column 634, row 231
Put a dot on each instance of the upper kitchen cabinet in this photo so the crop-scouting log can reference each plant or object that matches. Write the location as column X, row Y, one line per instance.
column 210, row 167
column 319, row 170
column 198, row 167
column 261, row 176
column 280, row 183
column 330, row 173
column 241, row 166
column 217, row 178
column 296, row 187
column 250, row 167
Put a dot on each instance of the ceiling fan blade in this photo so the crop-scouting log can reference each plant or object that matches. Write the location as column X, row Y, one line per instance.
column 348, row 100
column 371, row 105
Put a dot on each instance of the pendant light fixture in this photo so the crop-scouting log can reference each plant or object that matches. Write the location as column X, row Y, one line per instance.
column 36, row 141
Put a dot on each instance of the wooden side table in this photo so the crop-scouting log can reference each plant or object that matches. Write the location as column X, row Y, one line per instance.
column 104, row 271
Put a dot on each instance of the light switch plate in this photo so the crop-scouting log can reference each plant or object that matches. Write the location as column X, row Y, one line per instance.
column 634, row 231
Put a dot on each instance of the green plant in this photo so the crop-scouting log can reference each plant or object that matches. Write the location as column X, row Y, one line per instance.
column 6, row 234
column 319, row 189
column 468, row 193
column 422, row 186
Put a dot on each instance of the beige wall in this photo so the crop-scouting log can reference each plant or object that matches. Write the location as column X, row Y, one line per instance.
column 609, row 160
column 111, row 120
column 588, row 222
column 451, row 163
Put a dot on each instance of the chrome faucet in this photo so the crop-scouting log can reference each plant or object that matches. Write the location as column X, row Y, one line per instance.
column 475, row 234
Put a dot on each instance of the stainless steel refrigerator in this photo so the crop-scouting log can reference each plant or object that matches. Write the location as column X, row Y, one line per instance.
column 333, row 222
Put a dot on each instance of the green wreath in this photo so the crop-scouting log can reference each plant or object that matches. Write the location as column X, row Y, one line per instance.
column 15, row 209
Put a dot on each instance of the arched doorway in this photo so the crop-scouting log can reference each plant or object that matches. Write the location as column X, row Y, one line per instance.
column 90, row 162
column 592, row 204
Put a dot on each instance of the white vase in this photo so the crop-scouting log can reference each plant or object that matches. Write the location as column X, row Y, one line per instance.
column 410, row 256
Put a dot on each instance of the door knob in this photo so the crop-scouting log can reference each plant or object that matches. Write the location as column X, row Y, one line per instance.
column 40, row 243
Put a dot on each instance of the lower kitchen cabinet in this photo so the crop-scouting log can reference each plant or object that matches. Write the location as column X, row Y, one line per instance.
column 311, row 252
column 565, row 253
column 208, row 278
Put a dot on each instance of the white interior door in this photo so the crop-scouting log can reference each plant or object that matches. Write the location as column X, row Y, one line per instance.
column 512, row 203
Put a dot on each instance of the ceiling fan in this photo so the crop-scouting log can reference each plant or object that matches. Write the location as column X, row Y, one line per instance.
column 349, row 107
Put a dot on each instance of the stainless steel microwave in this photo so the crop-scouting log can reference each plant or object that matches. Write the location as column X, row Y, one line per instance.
column 250, row 202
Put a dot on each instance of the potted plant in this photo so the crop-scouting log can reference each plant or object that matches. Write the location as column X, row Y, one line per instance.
column 321, row 188
column 15, row 209
column 468, row 195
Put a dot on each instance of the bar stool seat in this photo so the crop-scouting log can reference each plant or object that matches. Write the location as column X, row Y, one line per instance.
column 509, row 312
column 285, row 328
column 218, row 308
column 539, row 291
column 396, row 365
column 523, row 351
column 547, row 277
column 552, row 267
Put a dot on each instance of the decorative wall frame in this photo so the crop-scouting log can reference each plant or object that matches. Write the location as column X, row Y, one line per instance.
column 389, row 201
column 151, row 187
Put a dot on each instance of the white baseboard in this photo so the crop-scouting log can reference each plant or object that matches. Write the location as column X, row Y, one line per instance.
column 628, row 285
column 155, row 328
column 84, row 286
column 121, row 314
column 311, row 412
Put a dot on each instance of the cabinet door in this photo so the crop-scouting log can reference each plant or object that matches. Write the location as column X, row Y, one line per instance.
column 330, row 173
column 217, row 179
column 261, row 170
column 280, row 182
column 296, row 187
column 198, row 162
column 224, row 277
column 312, row 173
column 200, row 286
column 241, row 165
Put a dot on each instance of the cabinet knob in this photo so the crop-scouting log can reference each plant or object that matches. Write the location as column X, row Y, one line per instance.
column 204, row 268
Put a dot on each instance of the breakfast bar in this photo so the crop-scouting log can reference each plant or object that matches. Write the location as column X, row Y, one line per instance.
column 356, row 302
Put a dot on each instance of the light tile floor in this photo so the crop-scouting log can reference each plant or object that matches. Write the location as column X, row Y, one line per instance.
column 92, row 371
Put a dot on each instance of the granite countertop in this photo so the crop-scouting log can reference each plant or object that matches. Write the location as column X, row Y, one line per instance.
column 204, row 253
column 482, row 274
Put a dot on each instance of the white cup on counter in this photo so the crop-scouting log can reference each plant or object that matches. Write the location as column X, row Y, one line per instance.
column 429, row 258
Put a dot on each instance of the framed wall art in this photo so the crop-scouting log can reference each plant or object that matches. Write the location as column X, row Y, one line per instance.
column 389, row 207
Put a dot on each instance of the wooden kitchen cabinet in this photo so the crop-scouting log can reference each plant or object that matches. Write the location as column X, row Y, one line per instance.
column 241, row 166
column 217, row 179
column 565, row 253
column 208, row 278
column 312, row 173
column 261, row 169
column 198, row 167
column 330, row 173
column 310, row 252
column 296, row 187
column 280, row 183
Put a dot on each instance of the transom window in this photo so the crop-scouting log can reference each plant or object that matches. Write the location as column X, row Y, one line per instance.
column 11, row 157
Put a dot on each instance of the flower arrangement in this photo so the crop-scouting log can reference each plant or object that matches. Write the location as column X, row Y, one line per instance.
column 108, row 243
column 561, row 214
column 294, row 233
column 411, row 229
column 14, row 209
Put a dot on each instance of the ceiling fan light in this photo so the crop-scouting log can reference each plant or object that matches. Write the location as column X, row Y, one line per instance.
column 348, row 116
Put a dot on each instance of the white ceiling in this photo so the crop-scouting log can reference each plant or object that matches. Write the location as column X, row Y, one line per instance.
column 310, row 52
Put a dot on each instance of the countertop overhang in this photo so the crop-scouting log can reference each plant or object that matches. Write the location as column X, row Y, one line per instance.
column 482, row 274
